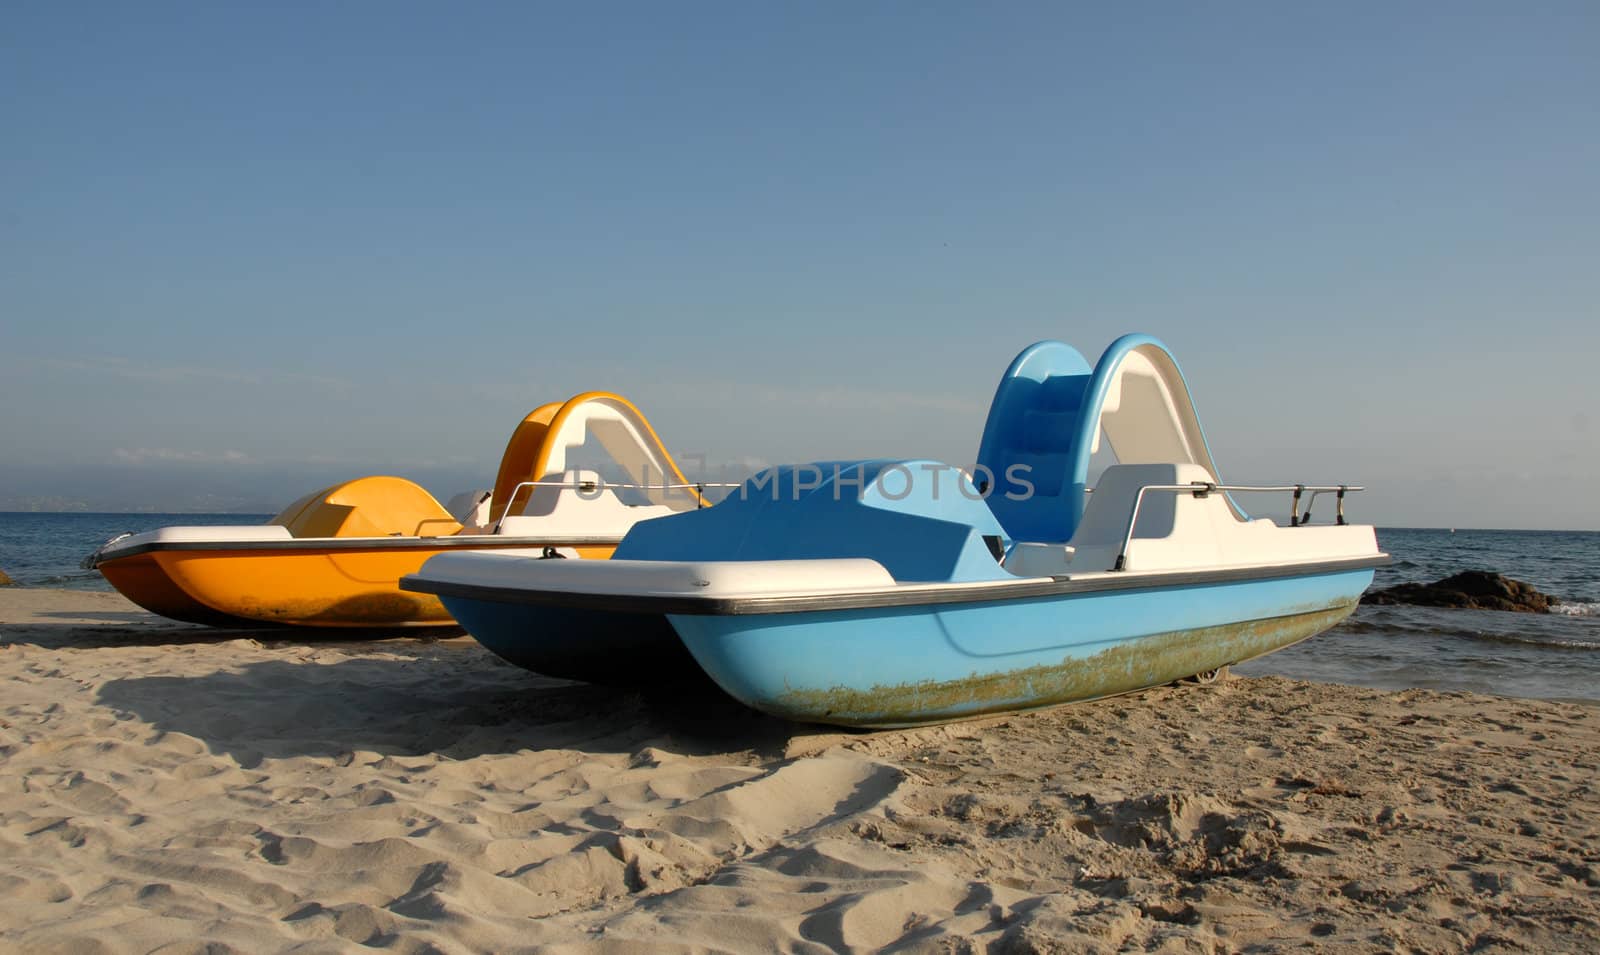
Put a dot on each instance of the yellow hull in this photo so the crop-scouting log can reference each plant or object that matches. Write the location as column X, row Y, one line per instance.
column 143, row 581
column 309, row 587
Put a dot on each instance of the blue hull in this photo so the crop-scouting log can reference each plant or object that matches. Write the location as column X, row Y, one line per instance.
column 612, row 649
column 898, row 666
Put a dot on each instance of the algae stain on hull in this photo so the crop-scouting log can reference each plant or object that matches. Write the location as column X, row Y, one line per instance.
column 378, row 608
column 1133, row 665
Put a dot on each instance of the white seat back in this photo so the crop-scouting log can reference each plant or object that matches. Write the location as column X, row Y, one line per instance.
column 1104, row 527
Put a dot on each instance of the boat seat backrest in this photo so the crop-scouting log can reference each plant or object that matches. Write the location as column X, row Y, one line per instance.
column 1100, row 534
column 545, row 496
column 1105, row 517
column 470, row 508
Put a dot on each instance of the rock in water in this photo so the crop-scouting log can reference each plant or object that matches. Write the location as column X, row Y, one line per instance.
column 4, row 580
column 1470, row 589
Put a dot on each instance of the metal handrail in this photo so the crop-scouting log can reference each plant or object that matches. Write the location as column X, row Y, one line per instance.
column 699, row 489
column 93, row 560
column 1201, row 489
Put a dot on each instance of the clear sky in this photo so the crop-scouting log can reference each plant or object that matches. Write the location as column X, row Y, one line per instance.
column 248, row 249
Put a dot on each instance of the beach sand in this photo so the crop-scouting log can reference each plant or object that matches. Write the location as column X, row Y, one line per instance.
column 168, row 788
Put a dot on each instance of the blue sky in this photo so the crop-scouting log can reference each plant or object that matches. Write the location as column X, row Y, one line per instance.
column 244, row 250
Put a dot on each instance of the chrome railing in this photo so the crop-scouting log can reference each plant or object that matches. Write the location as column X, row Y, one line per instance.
column 1203, row 489
column 93, row 560
column 593, row 487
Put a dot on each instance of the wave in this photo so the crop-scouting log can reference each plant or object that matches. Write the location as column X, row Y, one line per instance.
column 1534, row 640
column 1572, row 630
column 72, row 580
column 1519, row 639
column 1578, row 608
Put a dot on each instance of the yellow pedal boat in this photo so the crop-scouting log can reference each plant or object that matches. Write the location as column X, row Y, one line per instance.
column 574, row 478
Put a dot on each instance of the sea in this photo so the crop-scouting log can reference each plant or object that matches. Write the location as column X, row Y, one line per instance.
column 1549, row 656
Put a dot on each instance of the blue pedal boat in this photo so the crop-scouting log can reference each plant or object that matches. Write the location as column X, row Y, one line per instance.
column 892, row 593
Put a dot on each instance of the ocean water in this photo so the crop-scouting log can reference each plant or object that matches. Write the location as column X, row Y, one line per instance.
column 44, row 550
column 1552, row 656
column 1511, row 654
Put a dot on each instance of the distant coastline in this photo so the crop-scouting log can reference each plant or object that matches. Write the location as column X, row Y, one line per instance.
column 141, row 512
column 265, row 513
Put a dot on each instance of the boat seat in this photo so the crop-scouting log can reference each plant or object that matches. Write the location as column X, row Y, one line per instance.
column 578, row 504
column 543, row 498
column 1038, row 559
column 471, row 508
column 1100, row 534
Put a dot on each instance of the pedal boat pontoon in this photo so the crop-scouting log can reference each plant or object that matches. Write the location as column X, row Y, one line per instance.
column 892, row 593
column 334, row 557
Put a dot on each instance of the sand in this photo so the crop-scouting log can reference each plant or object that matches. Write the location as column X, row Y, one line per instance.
column 167, row 788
